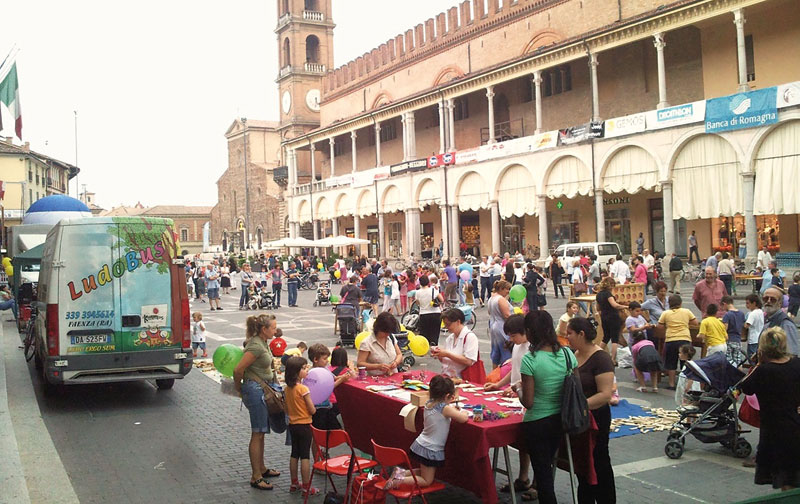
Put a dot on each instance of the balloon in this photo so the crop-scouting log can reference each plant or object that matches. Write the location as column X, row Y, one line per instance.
column 411, row 335
column 337, row 274
column 319, row 266
column 226, row 357
column 360, row 338
column 419, row 345
column 517, row 293
column 465, row 275
column 517, row 310
column 466, row 267
column 412, row 293
column 402, row 328
column 334, row 298
column 320, row 384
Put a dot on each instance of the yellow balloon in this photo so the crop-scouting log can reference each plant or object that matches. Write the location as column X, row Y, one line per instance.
column 517, row 310
column 411, row 335
column 337, row 274
column 9, row 270
column 402, row 328
column 361, row 337
column 419, row 345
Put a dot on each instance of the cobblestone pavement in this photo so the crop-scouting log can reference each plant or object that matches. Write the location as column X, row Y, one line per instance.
column 132, row 443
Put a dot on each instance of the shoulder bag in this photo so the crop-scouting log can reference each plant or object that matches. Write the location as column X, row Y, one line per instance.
column 574, row 407
column 476, row 373
column 275, row 400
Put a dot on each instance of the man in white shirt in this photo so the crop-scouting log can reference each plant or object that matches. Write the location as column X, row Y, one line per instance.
column 649, row 263
column 485, row 269
column 460, row 349
column 764, row 258
column 621, row 272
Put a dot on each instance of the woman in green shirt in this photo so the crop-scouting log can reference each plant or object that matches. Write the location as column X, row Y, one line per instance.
column 543, row 371
column 256, row 368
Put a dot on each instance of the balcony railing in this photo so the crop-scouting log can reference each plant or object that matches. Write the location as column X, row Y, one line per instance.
column 285, row 70
column 313, row 16
column 503, row 131
column 314, row 67
column 302, row 189
column 284, row 19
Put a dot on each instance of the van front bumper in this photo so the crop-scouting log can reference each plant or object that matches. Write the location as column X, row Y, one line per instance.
column 118, row 367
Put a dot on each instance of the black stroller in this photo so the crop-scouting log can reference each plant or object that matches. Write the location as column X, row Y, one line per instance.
column 712, row 417
column 348, row 321
column 408, row 355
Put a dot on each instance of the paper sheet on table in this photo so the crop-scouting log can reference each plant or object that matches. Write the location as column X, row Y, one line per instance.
column 403, row 395
column 409, row 414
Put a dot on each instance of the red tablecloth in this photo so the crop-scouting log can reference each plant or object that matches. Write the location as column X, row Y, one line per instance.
column 369, row 415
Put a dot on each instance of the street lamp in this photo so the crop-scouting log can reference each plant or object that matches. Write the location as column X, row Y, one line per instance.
column 246, row 192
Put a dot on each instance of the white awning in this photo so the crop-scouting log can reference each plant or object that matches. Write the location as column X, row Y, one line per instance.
column 569, row 177
column 366, row 204
column 304, row 212
column 631, row 169
column 392, row 200
column 343, row 206
column 340, row 241
column 323, row 210
column 516, row 194
column 429, row 194
column 706, row 180
column 778, row 171
column 472, row 193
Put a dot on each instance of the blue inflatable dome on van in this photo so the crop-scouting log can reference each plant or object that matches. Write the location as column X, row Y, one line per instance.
column 51, row 209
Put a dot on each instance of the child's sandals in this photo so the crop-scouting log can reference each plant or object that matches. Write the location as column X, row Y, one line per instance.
column 295, row 486
column 311, row 491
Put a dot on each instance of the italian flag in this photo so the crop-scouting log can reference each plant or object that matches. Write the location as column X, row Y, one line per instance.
column 9, row 95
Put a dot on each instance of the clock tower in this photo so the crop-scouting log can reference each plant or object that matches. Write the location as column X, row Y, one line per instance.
column 305, row 50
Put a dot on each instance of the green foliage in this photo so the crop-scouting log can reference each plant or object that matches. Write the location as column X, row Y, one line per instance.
column 137, row 234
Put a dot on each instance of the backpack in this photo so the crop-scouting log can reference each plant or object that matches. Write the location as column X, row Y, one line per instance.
column 574, row 407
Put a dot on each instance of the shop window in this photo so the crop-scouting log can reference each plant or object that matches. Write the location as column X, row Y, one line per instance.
column 512, row 235
column 184, row 235
column 395, row 242
column 564, row 227
column 426, row 240
column 461, row 109
column 471, row 233
column 339, row 146
column 730, row 232
column 618, row 228
column 749, row 58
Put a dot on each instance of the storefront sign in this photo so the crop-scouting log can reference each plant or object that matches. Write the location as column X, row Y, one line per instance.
column 339, row 181
column 442, row 159
column 626, row 125
column 367, row 177
column 742, row 110
column 788, row 94
column 580, row 133
column 408, row 166
column 524, row 145
column 13, row 213
column 687, row 113
column 620, row 200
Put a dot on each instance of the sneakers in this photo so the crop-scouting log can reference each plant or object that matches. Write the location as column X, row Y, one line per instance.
column 218, row 308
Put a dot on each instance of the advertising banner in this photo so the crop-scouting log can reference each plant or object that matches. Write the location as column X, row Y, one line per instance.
column 580, row 133
column 626, row 125
column 788, row 94
column 408, row 166
column 467, row 156
column 742, row 110
column 367, row 177
column 678, row 115
column 447, row 158
column 524, row 145
column 339, row 181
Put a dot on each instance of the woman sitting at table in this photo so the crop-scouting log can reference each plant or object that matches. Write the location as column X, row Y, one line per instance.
column 543, row 370
column 379, row 353
column 460, row 349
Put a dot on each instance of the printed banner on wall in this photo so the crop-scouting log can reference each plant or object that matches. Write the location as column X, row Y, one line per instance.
column 408, row 166
column 626, row 125
column 467, row 156
column 788, row 94
column 524, row 145
column 742, row 110
column 367, row 177
column 678, row 115
column 580, row 133
column 447, row 158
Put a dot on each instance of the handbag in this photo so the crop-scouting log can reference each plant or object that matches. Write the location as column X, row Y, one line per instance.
column 366, row 491
column 476, row 373
column 574, row 407
column 748, row 412
column 274, row 399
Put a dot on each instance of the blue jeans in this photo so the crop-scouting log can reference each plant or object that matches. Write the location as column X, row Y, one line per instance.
column 12, row 304
column 243, row 297
column 292, row 287
column 276, row 293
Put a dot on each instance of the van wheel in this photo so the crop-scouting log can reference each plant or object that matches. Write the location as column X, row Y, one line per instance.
column 38, row 364
column 165, row 384
column 49, row 389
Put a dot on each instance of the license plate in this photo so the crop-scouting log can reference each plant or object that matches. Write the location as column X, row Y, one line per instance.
column 179, row 356
column 91, row 338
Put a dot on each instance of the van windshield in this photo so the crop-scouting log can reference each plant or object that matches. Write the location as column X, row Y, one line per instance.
column 607, row 249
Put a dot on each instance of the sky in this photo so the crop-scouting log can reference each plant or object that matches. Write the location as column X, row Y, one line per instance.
column 157, row 83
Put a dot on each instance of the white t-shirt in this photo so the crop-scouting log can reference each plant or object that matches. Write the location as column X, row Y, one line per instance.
column 198, row 332
column 621, row 271
column 577, row 275
column 486, row 269
column 519, row 274
column 517, row 353
column 649, row 262
column 756, row 320
column 395, row 290
column 424, row 296
column 764, row 258
column 466, row 344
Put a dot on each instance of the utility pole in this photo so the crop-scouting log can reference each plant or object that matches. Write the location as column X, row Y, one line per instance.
column 246, row 191
column 77, row 187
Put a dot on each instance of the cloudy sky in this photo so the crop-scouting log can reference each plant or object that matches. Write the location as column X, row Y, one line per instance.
column 157, row 83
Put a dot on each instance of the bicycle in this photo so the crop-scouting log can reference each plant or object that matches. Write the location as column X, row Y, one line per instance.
column 29, row 345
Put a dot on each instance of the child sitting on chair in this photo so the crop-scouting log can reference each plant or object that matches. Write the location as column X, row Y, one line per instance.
column 428, row 448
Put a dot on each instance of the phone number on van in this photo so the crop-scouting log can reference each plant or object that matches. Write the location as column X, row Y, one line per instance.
column 91, row 314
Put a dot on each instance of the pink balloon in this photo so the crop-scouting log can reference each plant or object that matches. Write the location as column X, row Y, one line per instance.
column 320, row 384
column 465, row 275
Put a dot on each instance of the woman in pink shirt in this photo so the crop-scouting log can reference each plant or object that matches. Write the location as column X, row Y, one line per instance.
column 640, row 273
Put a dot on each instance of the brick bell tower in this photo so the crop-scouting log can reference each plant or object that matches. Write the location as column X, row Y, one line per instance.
column 305, row 50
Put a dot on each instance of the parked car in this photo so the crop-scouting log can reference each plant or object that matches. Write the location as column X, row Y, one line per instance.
column 603, row 250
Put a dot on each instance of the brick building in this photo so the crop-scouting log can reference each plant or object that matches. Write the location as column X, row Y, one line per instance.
column 554, row 121
column 266, row 199
column 189, row 222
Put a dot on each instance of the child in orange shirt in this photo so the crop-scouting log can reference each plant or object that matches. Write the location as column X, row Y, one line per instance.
column 300, row 409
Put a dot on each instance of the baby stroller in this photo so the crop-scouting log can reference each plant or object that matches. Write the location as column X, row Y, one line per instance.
column 348, row 319
column 410, row 319
column 266, row 299
column 408, row 355
column 323, row 294
column 253, row 297
column 712, row 418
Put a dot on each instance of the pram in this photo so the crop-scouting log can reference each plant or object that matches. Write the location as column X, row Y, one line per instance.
column 712, row 417
column 348, row 321
column 253, row 298
column 408, row 355
column 323, row 294
column 266, row 299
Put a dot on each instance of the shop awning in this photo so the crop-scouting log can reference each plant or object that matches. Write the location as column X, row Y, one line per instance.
column 366, row 204
column 428, row 194
column 343, row 206
column 632, row 169
column 778, row 171
column 569, row 178
column 323, row 209
column 340, row 241
column 472, row 193
column 516, row 194
column 392, row 200
column 706, row 180
column 304, row 212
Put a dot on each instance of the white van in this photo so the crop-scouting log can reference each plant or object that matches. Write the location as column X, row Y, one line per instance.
column 112, row 303
column 603, row 250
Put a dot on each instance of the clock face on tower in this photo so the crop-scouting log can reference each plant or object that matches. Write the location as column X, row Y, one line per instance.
column 312, row 100
column 286, row 102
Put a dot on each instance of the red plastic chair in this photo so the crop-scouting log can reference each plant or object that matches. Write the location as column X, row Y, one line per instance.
column 324, row 441
column 388, row 457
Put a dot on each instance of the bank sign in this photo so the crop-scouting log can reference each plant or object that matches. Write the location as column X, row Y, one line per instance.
column 743, row 110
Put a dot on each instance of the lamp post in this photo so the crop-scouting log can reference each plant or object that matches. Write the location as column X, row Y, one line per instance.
column 246, row 192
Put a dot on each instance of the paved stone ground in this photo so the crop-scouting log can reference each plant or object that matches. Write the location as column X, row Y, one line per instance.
column 132, row 443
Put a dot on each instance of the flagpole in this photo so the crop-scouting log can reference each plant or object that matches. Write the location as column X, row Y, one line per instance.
column 77, row 187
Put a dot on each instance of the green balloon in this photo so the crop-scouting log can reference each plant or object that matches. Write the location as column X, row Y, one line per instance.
column 517, row 293
column 334, row 298
column 226, row 357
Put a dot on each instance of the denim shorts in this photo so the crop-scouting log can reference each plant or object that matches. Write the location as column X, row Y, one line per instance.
column 253, row 399
column 213, row 293
column 201, row 344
